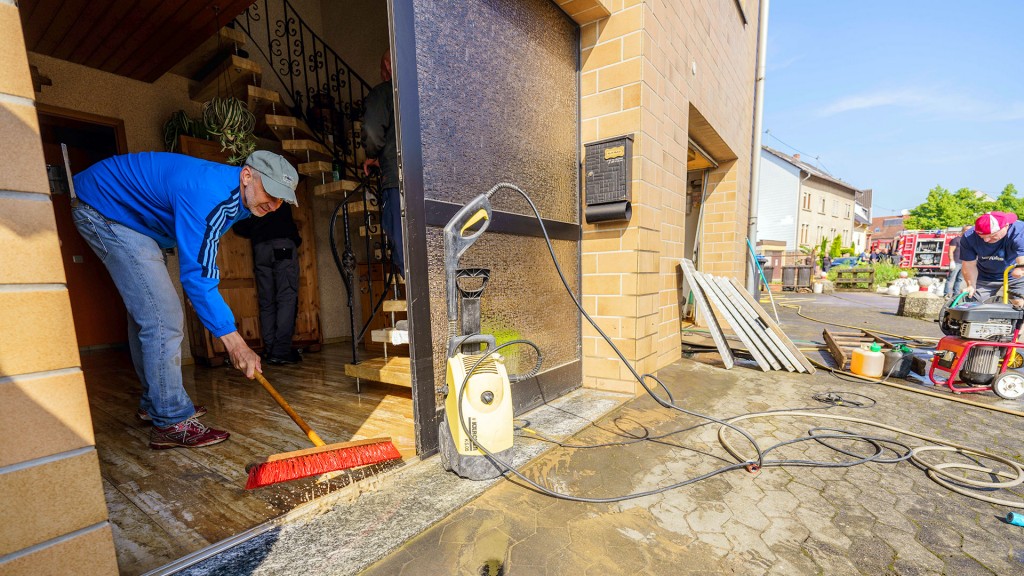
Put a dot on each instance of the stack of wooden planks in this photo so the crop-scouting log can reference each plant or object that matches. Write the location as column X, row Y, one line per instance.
column 842, row 344
column 767, row 343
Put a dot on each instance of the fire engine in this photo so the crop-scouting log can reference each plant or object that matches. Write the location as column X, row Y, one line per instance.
column 926, row 251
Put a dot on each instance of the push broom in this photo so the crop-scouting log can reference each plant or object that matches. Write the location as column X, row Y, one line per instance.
column 321, row 459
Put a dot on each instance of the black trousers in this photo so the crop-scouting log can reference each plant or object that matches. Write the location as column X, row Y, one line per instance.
column 277, row 281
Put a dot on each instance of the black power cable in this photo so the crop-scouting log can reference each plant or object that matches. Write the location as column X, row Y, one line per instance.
column 752, row 465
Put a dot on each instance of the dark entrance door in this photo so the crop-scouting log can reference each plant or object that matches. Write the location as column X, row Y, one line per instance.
column 99, row 313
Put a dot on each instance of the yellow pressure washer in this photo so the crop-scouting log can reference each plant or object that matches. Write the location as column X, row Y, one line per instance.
column 478, row 393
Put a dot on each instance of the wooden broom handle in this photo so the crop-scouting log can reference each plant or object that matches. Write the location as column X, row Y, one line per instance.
column 310, row 433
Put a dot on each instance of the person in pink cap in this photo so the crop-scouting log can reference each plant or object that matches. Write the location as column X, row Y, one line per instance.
column 995, row 242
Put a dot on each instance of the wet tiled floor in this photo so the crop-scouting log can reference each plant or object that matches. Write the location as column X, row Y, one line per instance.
column 869, row 519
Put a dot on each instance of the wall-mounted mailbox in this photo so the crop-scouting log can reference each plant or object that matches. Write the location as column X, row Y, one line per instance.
column 609, row 175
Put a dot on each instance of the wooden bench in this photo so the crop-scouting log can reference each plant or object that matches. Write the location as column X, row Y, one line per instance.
column 849, row 278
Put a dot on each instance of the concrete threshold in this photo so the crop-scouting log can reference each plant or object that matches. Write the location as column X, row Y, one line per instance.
column 346, row 531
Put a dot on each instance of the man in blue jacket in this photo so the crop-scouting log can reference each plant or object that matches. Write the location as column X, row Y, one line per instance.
column 995, row 242
column 130, row 209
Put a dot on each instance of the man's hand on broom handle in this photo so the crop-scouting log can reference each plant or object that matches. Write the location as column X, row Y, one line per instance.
column 242, row 357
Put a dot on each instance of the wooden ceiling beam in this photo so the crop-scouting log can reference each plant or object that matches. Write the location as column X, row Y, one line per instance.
column 35, row 19
column 203, row 29
column 135, row 39
column 141, row 39
column 114, row 42
column 61, row 24
column 72, row 42
column 167, row 37
column 103, row 31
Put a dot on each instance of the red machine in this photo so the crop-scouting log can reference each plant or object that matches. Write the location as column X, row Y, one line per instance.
column 926, row 251
column 980, row 347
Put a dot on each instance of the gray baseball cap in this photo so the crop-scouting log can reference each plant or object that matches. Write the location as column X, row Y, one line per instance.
column 278, row 175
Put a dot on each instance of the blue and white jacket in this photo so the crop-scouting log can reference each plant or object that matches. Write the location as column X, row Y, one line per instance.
column 178, row 201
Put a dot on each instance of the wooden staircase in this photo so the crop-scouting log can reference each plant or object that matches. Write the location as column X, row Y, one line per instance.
column 225, row 72
column 219, row 70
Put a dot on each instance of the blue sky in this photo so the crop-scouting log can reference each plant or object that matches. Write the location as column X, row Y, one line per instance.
column 899, row 95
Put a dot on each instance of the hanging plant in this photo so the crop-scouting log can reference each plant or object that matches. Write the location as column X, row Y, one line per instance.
column 229, row 121
column 178, row 125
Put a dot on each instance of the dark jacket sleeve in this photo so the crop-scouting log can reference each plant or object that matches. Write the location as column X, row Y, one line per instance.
column 244, row 227
column 376, row 120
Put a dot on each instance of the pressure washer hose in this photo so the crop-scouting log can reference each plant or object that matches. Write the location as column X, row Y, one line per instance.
column 936, row 472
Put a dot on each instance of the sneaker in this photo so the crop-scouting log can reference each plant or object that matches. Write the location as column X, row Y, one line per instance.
column 293, row 357
column 145, row 417
column 188, row 434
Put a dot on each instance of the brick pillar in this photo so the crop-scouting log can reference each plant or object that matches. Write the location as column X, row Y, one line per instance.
column 51, row 499
column 619, row 278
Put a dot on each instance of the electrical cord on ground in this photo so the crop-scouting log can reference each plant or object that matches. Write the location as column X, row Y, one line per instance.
column 755, row 463
column 925, row 340
column 830, row 398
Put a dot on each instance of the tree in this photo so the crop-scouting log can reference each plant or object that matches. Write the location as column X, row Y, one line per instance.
column 836, row 249
column 1008, row 201
column 942, row 209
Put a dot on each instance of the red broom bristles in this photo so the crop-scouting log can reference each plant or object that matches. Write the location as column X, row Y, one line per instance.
column 283, row 470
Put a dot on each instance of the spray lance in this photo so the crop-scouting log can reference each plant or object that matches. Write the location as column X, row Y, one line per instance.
column 456, row 242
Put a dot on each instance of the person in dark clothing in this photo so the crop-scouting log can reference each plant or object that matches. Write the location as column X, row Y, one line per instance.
column 381, row 148
column 955, row 276
column 826, row 262
column 275, row 242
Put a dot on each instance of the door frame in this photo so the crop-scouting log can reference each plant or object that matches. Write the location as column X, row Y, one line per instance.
column 116, row 123
column 422, row 213
column 410, row 160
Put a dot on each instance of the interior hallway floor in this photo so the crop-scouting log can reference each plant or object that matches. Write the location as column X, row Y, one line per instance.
column 165, row 504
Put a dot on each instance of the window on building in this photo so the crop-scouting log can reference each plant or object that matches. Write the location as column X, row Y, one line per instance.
column 806, row 201
column 822, row 210
column 835, row 207
column 848, row 208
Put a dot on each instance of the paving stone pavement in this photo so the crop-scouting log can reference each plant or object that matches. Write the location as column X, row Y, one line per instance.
column 869, row 519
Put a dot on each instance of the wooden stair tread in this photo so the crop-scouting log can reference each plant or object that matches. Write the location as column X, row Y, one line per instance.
column 307, row 150
column 358, row 207
column 316, row 168
column 262, row 100
column 394, row 370
column 337, row 188
column 220, row 44
column 232, row 78
column 289, row 128
column 396, row 306
column 392, row 336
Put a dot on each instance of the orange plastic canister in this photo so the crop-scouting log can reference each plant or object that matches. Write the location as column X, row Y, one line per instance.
column 868, row 361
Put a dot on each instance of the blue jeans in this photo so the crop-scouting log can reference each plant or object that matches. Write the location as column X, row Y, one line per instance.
column 954, row 279
column 391, row 218
column 155, row 319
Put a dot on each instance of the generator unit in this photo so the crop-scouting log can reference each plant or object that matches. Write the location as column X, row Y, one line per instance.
column 979, row 347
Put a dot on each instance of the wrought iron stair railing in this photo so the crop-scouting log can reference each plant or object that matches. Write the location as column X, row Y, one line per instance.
column 328, row 95
column 324, row 90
